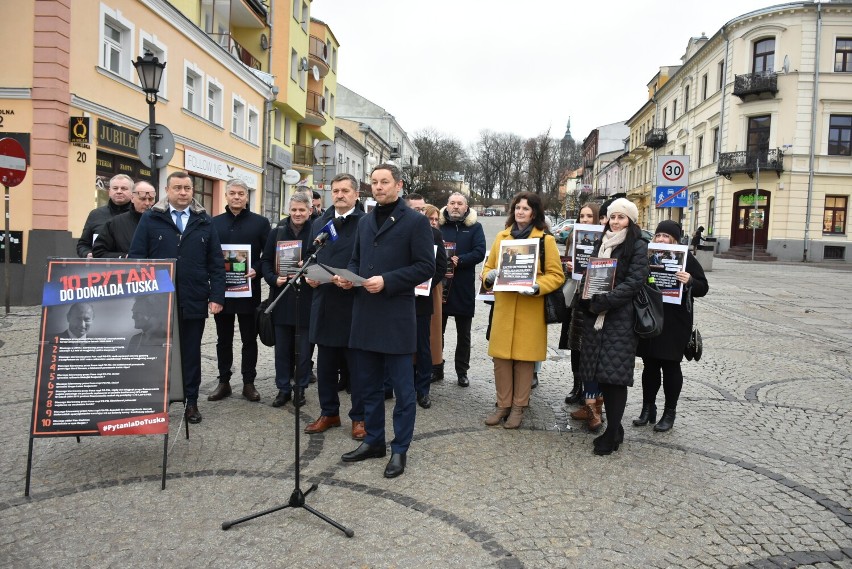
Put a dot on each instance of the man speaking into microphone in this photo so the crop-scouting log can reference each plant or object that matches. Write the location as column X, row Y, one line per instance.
column 394, row 253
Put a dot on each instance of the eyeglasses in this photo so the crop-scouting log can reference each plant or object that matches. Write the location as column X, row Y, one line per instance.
column 143, row 198
column 184, row 188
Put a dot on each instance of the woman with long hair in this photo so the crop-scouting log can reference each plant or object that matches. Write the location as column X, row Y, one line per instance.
column 519, row 333
column 608, row 354
column 665, row 352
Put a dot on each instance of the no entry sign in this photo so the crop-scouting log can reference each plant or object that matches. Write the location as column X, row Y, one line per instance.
column 13, row 162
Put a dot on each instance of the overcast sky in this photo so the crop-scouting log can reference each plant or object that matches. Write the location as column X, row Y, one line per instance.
column 521, row 66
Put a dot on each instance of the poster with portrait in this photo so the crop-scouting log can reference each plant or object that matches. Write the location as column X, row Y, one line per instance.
column 425, row 289
column 483, row 293
column 237, row 268
column 105, row 349
column 288, row 254
column 583, row 241
column 517, row 266
column 664, row 262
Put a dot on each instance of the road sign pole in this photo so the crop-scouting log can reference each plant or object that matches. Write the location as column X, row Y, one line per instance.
column 7, row 251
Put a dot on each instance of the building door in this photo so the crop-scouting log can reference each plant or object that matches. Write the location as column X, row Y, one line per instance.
column 747, row 219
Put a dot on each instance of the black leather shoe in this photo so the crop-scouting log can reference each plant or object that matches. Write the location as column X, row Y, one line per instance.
column 463, row 380
column 364, row 452
column 424, row 400
column 192, row 414
column 282, row 398
column 300, row 400
column 222, row 390
column 396, row 465
column 437, row 373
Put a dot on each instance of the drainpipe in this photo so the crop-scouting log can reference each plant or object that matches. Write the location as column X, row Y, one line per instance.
column 813, row 134
column 721, row 133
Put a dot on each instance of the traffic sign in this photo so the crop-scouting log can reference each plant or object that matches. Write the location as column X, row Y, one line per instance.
column 670, row 197
column 324, row 152
column 13, row 162
column 672, row 171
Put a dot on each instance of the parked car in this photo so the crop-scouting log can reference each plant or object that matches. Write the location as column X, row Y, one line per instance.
column 564, row 233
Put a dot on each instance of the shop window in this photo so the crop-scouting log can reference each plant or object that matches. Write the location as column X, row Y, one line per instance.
column 203, row 192
column 834, row 215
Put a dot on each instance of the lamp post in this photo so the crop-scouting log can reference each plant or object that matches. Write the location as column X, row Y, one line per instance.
column 150, row 71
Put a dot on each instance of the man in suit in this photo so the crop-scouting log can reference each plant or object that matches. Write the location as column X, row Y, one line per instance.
column 80, row 317
column 113, row 241
column 178, row 227
column 239, row 226
column 393, row 254
column 120, row 186
column 331, row 310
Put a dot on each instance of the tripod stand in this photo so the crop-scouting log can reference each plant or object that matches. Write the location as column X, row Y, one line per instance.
column 297, row 497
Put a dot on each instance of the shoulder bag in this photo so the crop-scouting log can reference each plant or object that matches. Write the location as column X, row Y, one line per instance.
column 555, row 308
column 648, row 311
column 695, row 346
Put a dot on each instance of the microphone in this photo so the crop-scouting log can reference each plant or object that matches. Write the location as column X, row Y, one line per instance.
column 329, row 231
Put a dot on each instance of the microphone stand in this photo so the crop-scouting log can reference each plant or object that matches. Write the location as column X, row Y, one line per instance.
column 297, row 498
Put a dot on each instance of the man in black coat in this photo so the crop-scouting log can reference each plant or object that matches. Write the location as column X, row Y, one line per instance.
column 331, row 310
column 239, row 226
column 178, row 227
column 459, row 226
column 113, row 241
column 393, row 254
column 120, row 186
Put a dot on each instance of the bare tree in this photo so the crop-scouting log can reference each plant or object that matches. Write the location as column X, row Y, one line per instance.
column 441, row 158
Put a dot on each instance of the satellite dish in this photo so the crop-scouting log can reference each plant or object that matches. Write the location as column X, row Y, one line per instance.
column 315, row 73
column 291, row 177
column 786, row 66
column 303, row 64
column 264, row 42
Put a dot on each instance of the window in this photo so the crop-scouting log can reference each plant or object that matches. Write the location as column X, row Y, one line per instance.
column 112, row 47
column 214, row 102
column 683, row 150
column 704, row 87
column 203, row 192
column 252, row 125
column 150, row 44
column 711, row 215
column 331, row 106
column 700, row 150
column 721, row 74
column 840, row 135
column 276, row 129
column 758, row 137
column 325, row 100
column 834, row 218
column 843, row 55
column 287, row 128
column 305, row 17
column 763, row 60
column 674, row 110
column 294, row 65
column 193, row 90
column 665, row 112
column 116, row 43
column 296, row 6
column 686, row 99
column 334, row 59
column 716, row 144
column 238, row 117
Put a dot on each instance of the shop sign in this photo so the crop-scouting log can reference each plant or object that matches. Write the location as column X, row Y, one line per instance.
column 117, row 137
column 214, row 168
column 78, row 132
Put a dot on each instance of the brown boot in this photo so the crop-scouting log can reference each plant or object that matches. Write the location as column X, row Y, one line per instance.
column 498, row 415
column 594, row 421
column 515, row 417
column 222, row 390
column 582, row 414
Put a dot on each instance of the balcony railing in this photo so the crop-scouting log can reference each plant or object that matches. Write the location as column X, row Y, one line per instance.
column 656, row 138
column 303, row 154
column 747, row 162
column 318, row 52
column 240, row 53
column 316, row 103
column 759, row 85
column 589, row 162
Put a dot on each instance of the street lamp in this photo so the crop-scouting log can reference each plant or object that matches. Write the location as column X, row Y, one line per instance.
column 150, row 72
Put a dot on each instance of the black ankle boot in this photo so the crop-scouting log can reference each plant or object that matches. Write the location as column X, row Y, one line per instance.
column 667, row 421
column 648, row 415
column 576, row 393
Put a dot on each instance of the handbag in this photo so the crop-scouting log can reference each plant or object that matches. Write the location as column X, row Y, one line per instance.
column 555, row 308
column 263, row 322
column 695, row 346
column 648, row 311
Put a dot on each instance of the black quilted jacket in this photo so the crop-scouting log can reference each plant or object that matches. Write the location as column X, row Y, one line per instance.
column 609, row 355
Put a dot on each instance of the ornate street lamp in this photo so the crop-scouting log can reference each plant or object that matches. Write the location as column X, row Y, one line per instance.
column 150, row 71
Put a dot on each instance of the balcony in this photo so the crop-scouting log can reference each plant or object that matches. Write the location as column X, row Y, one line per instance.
column 747, row 162
column 589, row 163
column 318, row 55
column 303, row 157
column 237, row 51
column 753, row 86
column 315, row 114
column 656, row 138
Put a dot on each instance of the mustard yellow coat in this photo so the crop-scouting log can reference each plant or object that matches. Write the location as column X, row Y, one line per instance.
column 518, row 331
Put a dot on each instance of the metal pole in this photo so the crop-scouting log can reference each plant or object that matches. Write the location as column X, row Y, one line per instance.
column 153, row 136
column 756, row 200
column 6, row 251
column 812, row 151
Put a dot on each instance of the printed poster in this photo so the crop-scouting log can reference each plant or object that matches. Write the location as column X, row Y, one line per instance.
column 288, row 254
column 583, row 241
column 665, row 261
column 517, row 266
column 237, row 268
column 600, row 276
column 425, row 289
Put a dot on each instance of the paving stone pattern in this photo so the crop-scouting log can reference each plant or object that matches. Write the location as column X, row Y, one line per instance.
column 756, row 472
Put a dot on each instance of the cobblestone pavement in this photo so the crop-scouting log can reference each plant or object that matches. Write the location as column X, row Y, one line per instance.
column 756, row 472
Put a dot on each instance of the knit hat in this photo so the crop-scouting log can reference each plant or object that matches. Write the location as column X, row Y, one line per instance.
column 670, row 227
column 625, row 206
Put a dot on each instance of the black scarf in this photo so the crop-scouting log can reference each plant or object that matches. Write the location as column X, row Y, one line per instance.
column 521, row 233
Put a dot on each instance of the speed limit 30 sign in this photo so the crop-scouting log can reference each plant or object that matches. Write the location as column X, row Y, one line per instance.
column 672, row 181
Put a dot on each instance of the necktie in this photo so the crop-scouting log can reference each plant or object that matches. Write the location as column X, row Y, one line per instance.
column 178, row 219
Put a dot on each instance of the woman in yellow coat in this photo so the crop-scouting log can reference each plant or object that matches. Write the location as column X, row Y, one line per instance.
column 518, row 331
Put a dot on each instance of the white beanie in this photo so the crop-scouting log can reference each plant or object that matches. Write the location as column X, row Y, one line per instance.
column 625, row 206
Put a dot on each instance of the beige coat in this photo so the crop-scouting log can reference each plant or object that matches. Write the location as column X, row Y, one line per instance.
column 518, row 331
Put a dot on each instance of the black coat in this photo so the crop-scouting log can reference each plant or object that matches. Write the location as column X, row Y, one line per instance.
column 115, row 235
column 97, row 217
column 469, row 238
column 200, row 266
column 285, row 311
column 331, row 309
column 402, row 253
column 677, row 319
column 247, row 228
column 609, row 355
column 423, row 304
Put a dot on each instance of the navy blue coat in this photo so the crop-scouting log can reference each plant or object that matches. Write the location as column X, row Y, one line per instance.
column 200, row 266
column 469, row 238
column 331, row 309
column 402, row 253
column 247, row 228
column 284, row 313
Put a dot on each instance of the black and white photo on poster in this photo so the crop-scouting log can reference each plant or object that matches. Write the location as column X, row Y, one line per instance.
column 665, row 261
column 583, row 240
column 517, row 266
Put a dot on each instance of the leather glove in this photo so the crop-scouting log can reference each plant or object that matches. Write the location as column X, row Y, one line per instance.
column 490, row 278
column 532, row 291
